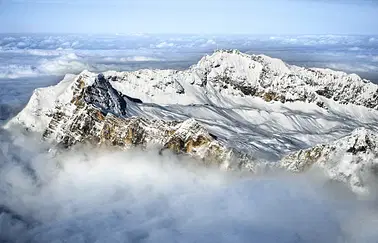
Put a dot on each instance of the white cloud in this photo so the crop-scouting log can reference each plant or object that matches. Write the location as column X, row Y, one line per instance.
column 363, row 68
column 140, row 59
column 21, row 44
column 165, row 45
column 132, row 59
column 313, row 40
column 13, row 71
column 61, row 65
column 362, row 56
column 355, row 48
column 209, row 42
column 69, row 63
column 89, row 194
column 39, row 52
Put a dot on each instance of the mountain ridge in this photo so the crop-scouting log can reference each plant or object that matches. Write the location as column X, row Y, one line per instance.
column 231, row 73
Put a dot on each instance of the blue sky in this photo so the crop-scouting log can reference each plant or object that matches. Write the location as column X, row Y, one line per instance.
column 190, row 16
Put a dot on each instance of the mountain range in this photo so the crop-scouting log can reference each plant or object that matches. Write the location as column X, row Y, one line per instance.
column 233, row 110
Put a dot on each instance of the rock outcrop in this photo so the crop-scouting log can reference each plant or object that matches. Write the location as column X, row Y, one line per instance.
column 350, row 159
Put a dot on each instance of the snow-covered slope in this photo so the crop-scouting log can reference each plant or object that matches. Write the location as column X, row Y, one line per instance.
column 351, row 159
column 253, row 104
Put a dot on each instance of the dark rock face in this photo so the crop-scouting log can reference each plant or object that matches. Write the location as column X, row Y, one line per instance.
column 325, row 92
column 248, row 90
column 362, row 147
column 102, row 95
column 135, row 100
column 355, row 150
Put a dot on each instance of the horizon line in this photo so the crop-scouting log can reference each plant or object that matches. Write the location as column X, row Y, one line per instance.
column 186, row 34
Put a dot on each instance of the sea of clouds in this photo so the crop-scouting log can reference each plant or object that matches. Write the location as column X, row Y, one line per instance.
column 37, row 55
column 102, row 195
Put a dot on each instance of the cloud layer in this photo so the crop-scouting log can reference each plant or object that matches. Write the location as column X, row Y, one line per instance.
column 99, row 195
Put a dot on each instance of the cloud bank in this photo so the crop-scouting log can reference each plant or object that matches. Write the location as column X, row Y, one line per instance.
column 99, row 195
column 180, row 47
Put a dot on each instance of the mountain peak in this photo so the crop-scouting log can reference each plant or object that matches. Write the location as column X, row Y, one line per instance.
column 102, row 95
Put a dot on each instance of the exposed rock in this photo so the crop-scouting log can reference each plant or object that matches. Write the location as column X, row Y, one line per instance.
column 102, row 95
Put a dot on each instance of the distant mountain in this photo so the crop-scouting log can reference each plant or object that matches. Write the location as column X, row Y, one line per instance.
column 227, row 74
column 231, row 109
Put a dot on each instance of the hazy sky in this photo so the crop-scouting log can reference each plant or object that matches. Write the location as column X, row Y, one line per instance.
column 190, row 16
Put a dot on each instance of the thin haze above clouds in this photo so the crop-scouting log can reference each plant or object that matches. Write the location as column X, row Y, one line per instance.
column 194, row 16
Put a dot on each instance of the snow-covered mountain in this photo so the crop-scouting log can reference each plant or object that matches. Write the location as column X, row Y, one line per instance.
column 229, row 105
